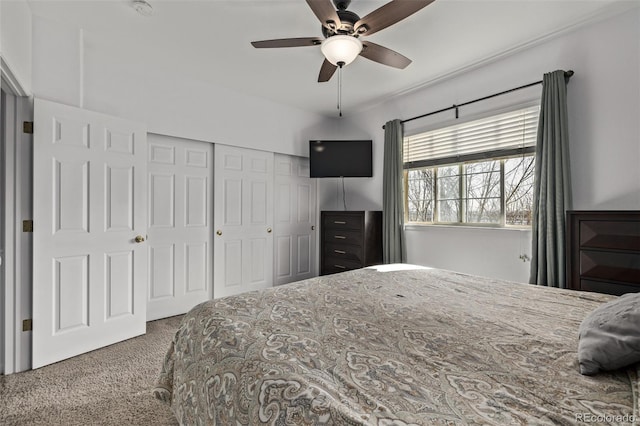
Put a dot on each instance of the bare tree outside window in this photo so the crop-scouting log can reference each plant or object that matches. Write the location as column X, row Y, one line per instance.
column 420, row 195
column 518, row 188
column 483, row 192
column 448, row 179
column 474, row 189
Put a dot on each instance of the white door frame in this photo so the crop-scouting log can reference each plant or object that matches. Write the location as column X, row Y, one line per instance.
column 16, row 347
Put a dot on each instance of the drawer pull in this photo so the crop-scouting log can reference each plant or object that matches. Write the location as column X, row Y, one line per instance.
column 339, row 222
column 340, row 237
column 339, row 266
column 340, row 251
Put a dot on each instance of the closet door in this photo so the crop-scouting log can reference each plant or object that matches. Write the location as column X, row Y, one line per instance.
column 180, row 219
column 243, row 220
column 294, row 221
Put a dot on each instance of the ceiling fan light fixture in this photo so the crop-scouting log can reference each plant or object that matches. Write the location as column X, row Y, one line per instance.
column 341, row 49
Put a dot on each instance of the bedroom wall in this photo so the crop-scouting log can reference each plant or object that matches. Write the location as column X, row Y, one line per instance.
column 15, row 40
column 604, row 106
column 66, row 69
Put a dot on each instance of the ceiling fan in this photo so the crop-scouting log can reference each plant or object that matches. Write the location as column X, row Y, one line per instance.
column 342, row 30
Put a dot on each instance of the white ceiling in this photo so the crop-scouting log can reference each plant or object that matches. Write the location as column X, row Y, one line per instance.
column 209, row 41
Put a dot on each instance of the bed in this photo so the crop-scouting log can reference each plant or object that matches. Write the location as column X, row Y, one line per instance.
column 392, row 346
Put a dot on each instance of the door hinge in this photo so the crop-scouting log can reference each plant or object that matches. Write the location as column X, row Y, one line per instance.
column 27, row 127
column 27, row 325
column 27, row 226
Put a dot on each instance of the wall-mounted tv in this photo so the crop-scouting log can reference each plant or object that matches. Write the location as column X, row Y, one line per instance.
column 340, row 158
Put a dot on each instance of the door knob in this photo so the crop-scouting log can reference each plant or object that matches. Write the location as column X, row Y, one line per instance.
column 139, row 238
column 218, row 232
column 269, row 230
column 313, row 228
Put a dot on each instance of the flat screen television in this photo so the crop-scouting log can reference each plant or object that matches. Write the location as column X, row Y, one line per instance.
column 340, row 158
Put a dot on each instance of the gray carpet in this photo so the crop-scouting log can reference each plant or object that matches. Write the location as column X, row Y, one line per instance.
column 109, row 386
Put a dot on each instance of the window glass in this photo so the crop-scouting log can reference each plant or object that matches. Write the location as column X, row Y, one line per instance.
column 448, row 179
column 496, row 192
column 518, row 189
column 420, row 195
column 482, row 192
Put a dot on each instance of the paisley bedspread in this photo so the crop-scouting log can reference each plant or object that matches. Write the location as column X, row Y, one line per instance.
column 424, row 347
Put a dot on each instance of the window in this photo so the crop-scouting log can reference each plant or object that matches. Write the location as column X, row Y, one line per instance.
column 480, row 172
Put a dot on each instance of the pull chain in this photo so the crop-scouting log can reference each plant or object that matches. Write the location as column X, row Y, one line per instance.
column 340, row 65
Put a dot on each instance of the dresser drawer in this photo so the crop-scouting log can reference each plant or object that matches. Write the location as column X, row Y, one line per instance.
column 342, row 221
column 342, row 236
column 332, row 265
column 344, row 251
column 608, row 287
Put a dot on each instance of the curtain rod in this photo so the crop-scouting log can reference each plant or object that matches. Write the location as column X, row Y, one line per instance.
column 567, row 74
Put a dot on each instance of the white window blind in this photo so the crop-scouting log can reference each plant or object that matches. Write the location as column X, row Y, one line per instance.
column 506, row 134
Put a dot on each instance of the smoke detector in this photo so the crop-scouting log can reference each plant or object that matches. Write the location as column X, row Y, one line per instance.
column 142, row 7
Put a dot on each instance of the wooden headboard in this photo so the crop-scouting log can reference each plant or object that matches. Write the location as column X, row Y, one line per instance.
column 603, row 251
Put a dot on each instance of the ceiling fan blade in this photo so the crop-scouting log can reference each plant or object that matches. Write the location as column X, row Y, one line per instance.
column 326, row 71
column 325, row 12
column 288, row 42
column 388, row 15
column 383, row 55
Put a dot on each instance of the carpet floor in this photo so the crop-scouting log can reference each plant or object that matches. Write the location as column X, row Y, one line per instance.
column 109, row 386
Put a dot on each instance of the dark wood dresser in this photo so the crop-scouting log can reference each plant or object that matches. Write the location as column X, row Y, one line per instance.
column 349, row 240
column 603, row 251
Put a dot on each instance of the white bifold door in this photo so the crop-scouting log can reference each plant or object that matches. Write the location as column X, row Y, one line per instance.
column 180, row 218
column 89, row 227
column 294, row 221
column 243, row 220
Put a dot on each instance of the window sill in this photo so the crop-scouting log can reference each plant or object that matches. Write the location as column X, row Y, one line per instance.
column 424, row 226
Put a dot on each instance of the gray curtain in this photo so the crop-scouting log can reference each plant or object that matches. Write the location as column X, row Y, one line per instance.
column 393, row 250
column 552, row 188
